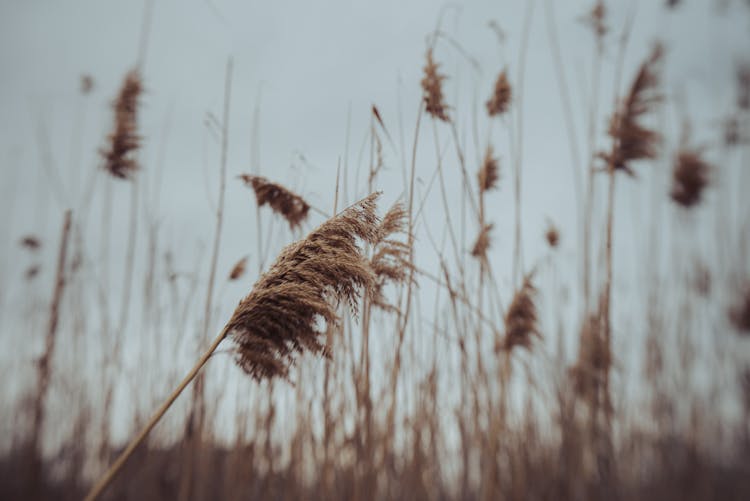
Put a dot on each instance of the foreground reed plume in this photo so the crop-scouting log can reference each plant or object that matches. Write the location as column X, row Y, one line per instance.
column 290, row 206
column 390, row 257
column 521, row 318
column 489, row 172
column 119, row 158
column 432, row 85
column 282, row 315
column 631, row 140
column 499, row 102
column 690, row 177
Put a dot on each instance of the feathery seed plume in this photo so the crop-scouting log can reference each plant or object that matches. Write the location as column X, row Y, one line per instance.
column 238, row 269
column 690, row 176
column 489, row 172
column 521, row 318
column 119, row 159
column 432, row 85
column 282, row 201
column 501, row 95
column 291, row 304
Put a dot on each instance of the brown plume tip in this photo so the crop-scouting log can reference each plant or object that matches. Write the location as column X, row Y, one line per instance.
column 293, row 303
column 31, row 242
column 482, row 243
column 521, row 318
column 489, row 172
column 690, row 177
column 552, row 235
column 432, row 86
column 632, row 140
column 596, row 19
column 502, row 94
column 290, row 206
column 594, row 358
column 238, row 269
column 119, row 159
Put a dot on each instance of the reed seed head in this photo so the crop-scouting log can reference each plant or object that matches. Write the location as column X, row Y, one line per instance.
column 502, row 94
column 119, row 158
column 238, row 269
column 690, row 176
column 390, row 257
column 631, row 140
column 739, row 314
column 291, row 305
column 282, row 201
column 482, row 243
column 31, row 242
column 489, row 172
column 432, row 87
column 521, row 318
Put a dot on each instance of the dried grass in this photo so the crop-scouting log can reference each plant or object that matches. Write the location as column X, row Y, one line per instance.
column 119, row 159
column 282, row 201
column 482, row 243
column 284, row 313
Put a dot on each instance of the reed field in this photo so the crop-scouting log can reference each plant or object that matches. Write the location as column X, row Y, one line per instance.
column 517, row 268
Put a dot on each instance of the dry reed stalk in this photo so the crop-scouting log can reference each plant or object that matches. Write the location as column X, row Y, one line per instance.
column 119, row 158
column 690, row 176
column 521, row 318
column 501, row 97
column 238, row 269
column 44, row 365
column 281, row 200
column 281, row 315
column 432, row 86
column 739, row 314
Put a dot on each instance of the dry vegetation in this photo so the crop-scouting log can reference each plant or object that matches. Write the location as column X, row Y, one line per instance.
column 356, row 394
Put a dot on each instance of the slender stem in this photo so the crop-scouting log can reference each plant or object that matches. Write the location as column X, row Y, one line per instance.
column 105, row 480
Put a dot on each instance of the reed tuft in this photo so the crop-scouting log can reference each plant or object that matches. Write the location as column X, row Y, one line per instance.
column 238, row 269
column 119, row 158
column 390, row 257
column 502, row 94
column 631, row 139
column 521, row 318
column 291, row 305
column 690, row 176
column 482, row 243
column 489, row 173
column 282, row 201
column 432, row 85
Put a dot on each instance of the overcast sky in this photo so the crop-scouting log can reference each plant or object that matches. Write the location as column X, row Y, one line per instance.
column 309, row 72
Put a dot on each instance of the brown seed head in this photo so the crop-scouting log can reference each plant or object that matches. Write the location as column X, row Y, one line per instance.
column 630, row 139
column 87, row 84
column 119, row 159
column 291, row 305
column 502, row 94
column 596, row 20
column 489, row 172
column 238, row 269
column 282, row 201
column 552, row 235
column 482, row 243
column 432, row 87
column 521, row 318
column 594, row 358
column 690, row 176
column 31, row 242
column 743, row 86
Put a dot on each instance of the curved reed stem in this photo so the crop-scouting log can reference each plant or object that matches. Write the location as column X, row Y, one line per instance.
column 110, row 474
